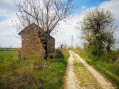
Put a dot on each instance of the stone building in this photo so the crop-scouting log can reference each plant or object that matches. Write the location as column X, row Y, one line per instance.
column 31, row 41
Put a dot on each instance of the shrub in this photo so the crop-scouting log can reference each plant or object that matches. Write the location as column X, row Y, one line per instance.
column 23, row 72
column 58, row 53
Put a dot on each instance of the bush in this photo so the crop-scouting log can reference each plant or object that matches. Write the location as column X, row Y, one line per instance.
column 21, row 73
column 58, row 53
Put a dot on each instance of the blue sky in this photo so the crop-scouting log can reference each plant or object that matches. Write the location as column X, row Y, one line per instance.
column 90, row 3
column 9, row 37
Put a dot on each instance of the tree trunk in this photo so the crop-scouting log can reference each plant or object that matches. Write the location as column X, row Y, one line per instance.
column 46, row 50
column 108, row 48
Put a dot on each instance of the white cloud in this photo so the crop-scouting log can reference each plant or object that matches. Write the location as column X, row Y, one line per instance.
column 83, row 7
column 8, row 33
column 67, row 30
column 9, row 2
column 3, row 12
column 7, row 8
column 112, row 6
column 7, row 13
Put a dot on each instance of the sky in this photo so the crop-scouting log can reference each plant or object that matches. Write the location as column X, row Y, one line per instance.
column 67, row 34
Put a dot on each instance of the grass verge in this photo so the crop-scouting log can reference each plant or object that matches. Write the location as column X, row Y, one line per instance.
column 28, row 74
column 106, row 68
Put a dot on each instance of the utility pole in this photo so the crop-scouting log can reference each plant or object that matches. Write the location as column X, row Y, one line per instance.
column 72, row 41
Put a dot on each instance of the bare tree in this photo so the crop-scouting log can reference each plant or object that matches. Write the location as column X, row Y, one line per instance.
column 44, row 13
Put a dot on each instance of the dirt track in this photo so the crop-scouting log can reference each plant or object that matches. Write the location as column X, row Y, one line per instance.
column 72, row 82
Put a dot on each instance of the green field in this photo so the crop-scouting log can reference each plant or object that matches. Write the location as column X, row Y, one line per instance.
column 5, row 59
column 9, row 49
column 20, row 73
column 6, row 56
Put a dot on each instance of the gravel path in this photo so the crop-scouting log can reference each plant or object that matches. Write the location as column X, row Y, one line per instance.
column 72, row 81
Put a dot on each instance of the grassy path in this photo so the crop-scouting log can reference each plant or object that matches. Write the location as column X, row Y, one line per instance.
column 71, row 80
column 80, row 75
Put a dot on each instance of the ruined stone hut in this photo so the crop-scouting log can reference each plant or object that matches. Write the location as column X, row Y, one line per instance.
column 31, row 41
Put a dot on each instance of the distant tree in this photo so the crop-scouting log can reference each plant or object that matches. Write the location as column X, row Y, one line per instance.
column 98, row 30
column 44, row 13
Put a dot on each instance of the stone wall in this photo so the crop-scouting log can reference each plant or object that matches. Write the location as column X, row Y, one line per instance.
column 31, row 42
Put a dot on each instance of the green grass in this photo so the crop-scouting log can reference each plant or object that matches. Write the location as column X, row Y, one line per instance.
column 9, row 49
column 6, row 56
column 54, row 73
column 5, row 59
column 29, row 74
column 106, row 67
